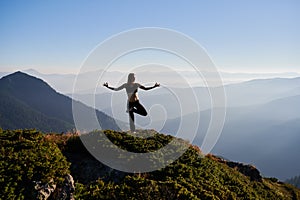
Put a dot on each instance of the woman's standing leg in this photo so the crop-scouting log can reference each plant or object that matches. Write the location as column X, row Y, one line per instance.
column 131, row 116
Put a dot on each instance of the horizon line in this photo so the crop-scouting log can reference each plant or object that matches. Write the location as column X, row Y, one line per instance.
column 181, row 70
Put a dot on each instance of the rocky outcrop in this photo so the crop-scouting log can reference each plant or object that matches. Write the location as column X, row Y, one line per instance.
column 43, row 192
column 50, row 191
column 247, row 170
column 67, row 189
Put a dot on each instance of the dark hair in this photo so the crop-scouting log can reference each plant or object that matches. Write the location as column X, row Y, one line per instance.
column 130, row 78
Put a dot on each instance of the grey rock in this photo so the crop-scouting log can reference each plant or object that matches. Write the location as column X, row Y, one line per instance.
column 44, row 191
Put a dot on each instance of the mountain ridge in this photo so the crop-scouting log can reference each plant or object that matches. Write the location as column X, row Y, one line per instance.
column 31, row 94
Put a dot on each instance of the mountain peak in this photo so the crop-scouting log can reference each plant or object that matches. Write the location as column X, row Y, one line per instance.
column 18, row 73
column 20, row 82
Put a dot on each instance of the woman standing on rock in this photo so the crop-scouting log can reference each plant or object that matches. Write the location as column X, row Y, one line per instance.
column 133, row 104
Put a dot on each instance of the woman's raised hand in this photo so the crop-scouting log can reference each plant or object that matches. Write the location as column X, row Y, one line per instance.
column 156, row 85
column 105, row 84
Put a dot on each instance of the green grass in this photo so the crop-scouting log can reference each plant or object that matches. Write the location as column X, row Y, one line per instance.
column 27, row 156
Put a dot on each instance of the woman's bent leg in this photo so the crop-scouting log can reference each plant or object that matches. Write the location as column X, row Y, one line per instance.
column 139, row 109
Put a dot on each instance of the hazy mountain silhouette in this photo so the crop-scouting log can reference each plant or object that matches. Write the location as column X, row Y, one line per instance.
column 294, row 181
column 266, row 135
column 29, row 102
column 250, row 93
column 261, row 91
column 64, row 82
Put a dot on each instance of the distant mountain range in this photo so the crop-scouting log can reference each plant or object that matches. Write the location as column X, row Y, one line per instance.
column 266, row 135
column 64, row 83
column 29, row 102
column 294, row 181
column 248, row 93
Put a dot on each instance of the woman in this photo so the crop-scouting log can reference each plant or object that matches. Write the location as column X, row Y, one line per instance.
column 133, row 104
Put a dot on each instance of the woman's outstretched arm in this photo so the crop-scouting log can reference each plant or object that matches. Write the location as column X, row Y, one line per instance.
column 149, row 88
column 114, row 89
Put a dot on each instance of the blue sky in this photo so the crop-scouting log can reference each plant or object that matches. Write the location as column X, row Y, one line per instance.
column 240, row 36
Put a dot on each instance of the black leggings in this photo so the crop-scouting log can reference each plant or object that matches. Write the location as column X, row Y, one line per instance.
column 135, row 107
